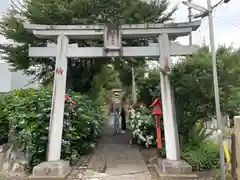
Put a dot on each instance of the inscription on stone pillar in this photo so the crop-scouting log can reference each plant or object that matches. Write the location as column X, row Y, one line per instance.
column 112, row 37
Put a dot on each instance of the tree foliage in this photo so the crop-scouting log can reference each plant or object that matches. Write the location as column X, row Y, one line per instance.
column 108, row 78
column 149, row 88
column 80, row 71
column 104, row 82
column 193, row 85
column 192, row 81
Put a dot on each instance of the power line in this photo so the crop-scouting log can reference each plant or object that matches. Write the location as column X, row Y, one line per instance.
column 219, row 3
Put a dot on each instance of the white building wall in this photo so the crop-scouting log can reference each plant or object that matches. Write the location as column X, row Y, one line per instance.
column 22, row 81
column 14, row 80
column 5, row 78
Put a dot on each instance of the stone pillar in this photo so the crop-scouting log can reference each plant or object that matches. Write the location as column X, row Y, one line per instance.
column 171, row 133
column 54, row 167
column 58, row 100
column 173, row 164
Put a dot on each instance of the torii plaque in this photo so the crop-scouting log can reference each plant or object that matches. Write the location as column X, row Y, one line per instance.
column 112, row 36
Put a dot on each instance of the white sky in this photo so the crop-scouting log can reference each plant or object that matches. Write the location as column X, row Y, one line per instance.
column 226, row 22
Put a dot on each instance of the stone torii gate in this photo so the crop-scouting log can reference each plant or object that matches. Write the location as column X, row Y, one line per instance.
column 112, row 35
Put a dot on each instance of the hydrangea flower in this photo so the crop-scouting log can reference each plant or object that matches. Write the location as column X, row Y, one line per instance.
column 139, row 122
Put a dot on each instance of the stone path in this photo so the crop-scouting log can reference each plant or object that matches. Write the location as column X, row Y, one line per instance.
column 116, row 159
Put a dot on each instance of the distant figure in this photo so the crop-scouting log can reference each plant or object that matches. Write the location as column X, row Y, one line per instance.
column 116, row 121
column 123, row 117
column 126, row 108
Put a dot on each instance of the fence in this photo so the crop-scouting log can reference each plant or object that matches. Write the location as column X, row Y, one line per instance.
column 236, row 129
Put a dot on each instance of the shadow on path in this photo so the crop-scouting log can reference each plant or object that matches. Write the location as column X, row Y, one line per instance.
column 115, row 158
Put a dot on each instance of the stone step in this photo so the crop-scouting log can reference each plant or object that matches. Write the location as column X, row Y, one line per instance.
column 164, row 176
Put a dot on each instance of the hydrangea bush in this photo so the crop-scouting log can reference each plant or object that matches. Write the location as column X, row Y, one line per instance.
column 28, row 112
column 143, row 126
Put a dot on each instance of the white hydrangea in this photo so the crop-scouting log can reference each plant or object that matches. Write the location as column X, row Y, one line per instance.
column 134, row 133
column 22, row 122
column 133, row 125
column 141, row 137
column 64, row 142
column 138, row 115
column 132, row 113
column 138, row 125
column 92, row 145
column 72, row 129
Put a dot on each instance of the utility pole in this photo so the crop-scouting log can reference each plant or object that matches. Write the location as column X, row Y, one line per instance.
column 216, row 90
column 134, row 94
column 208, row 12
column 190, row 20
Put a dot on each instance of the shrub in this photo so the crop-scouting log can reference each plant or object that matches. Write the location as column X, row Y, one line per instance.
column 199, row 152
column 143, row 126
column 28, row 111
column 203, row 156
column 198, row 134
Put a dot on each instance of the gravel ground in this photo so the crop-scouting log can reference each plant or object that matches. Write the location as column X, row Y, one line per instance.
column 79, row 168
column 12, row 176
column 147, row 155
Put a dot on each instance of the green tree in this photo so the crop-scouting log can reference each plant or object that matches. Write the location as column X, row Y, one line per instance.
column 125, row 75
column 192, row 82
column 228, row 70
column 108, row 78
column 80, row 71
column 104, row 82
column 193, row 85
column 149, row 88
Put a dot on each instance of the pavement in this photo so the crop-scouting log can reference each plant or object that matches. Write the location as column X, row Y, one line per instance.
column 116, row 159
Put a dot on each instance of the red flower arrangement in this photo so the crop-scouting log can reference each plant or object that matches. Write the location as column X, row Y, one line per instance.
column 68, row 98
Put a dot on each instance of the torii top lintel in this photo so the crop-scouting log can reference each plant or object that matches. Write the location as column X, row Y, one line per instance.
column 174, row 30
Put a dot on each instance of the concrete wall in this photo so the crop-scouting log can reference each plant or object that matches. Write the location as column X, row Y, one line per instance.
column 20, row 80
column 13, row 80
column 5, row 78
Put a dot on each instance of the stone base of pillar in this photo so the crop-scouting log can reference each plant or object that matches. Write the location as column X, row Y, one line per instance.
column 51, row 170
column 174, row 167
column 174, row 170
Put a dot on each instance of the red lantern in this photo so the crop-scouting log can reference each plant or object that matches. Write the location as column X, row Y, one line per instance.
column 157, row 112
